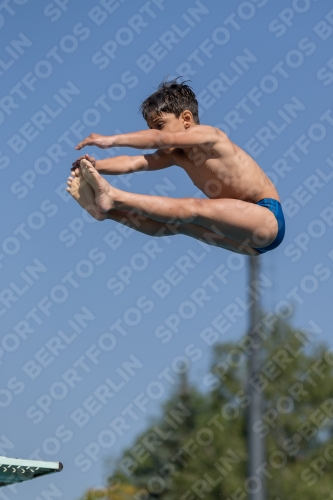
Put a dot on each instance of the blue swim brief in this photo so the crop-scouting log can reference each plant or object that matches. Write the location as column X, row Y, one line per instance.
column 275, row 207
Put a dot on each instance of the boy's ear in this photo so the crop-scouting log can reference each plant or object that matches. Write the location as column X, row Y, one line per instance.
column 187, row 118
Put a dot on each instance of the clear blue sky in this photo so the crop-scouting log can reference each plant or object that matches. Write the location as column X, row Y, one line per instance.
column 82, row 301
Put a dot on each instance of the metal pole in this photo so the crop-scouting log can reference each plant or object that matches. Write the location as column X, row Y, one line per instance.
column 256, row 449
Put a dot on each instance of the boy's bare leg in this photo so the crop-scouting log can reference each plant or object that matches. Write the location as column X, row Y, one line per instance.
column 242, row 222
column 155, row 228
column 83, row 193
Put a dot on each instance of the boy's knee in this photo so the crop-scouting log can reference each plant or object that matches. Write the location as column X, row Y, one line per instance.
column 191, row 209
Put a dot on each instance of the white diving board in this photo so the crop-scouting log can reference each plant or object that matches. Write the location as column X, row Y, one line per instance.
column 16, row 470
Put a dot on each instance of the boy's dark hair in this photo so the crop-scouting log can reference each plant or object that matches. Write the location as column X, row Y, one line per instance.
column 171, row 97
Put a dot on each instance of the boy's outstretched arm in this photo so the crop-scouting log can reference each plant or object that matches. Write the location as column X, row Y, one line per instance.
column 120, row 165
column 156, row 139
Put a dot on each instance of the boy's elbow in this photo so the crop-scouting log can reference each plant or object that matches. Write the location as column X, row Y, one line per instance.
column 137, row 163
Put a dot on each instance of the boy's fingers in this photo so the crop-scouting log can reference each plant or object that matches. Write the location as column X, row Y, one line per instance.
column 90, row 158
column 80, row 145
column 88, row 141
column 76, row 163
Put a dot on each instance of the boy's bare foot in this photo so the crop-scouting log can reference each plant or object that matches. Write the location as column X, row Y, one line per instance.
column 104, row 199
column 84, row 194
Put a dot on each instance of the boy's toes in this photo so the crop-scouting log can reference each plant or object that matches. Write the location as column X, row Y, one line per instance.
column 84, row 163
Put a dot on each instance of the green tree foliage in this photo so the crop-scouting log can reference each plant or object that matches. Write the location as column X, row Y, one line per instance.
column 123, row 492
column 197, row 448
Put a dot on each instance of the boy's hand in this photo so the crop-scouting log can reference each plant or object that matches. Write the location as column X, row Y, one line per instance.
column 76, row 163
column 101, row 141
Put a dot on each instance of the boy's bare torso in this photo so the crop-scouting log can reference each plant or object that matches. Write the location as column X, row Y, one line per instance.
column 225, row 171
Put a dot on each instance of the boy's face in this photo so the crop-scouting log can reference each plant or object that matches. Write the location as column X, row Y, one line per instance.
column 168, row 122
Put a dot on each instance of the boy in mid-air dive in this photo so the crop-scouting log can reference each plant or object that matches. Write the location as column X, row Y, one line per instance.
column 242, row 212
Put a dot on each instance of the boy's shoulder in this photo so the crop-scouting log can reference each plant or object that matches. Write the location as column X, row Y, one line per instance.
column 213, row 132
column 215, row 139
